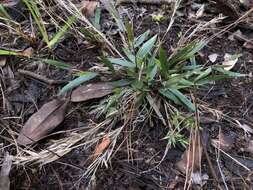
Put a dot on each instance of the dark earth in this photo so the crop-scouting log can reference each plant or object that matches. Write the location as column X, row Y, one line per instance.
column 142, row 171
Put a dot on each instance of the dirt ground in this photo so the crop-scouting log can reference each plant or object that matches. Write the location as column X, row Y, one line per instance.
column 142, row 170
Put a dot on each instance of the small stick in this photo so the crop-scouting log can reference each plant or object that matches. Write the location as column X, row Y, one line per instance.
column 156, row 2
column 40, row 77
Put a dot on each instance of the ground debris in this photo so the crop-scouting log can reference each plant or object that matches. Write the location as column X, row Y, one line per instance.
column 49, row 116
column 4, row 173
column 91, row 91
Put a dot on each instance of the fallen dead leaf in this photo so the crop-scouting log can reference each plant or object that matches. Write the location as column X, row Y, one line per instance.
column 101, row 147
column 191, row 158
column 91, row 91
column 248, row 45
column 4, row 173
column 199, row 179
column 213, row 57
column 88, row 8
column 2, row 61
column 230, row 61
column 200, row 11
column 49, row 116
column 225, row 142
column 27, row 52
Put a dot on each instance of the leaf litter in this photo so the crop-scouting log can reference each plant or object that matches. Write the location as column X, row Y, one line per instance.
column 4, row 172
column 46, row 119
column 92, row 91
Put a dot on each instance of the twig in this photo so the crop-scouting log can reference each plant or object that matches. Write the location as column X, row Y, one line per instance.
column 145, row 1
column 41, row 78
column 210, row 164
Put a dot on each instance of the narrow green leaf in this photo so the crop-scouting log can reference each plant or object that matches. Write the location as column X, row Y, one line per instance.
column 62, row 31
column 146, row 48
column 129, row 55
column 96, row 22
column 130, row 31
column 169, row 95
column 4, row 13
column 211, row 79
column 183, row 99
column 121, row 62
column 108, row 64
column 86, row 76
column 8, row 52
column 32, row 6
column 203, row 74
column 140, row 39
column 57, row 64
column 151, row 69
column 163, row 61
column 185, row 53
column 228, row 73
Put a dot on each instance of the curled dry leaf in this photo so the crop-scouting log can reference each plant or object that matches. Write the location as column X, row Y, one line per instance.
column 213, row 57
column 88, row 8
column 101, row 147
column 91, row 91
column 230, row 61
column 4, row 173
column 191, row 158
column 42, row 122
column 27, row 52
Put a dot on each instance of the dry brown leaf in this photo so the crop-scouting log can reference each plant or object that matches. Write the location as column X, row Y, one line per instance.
column 4, row 173
column 225, row 142
column 101, row 147
column 49, row 116
column 91, row 91
column 191, row 158
column 248, row 45
column 229, row 61
column 27, row 52
column 88, row 7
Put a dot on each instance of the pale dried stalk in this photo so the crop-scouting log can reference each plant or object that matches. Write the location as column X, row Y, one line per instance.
column 157, row 2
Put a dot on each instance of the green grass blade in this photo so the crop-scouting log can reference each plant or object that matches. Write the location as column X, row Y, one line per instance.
column 203, row 74
column 163, row 62
column 228, row 73
column 4, row 13
column 33, row 8
column 86, row 76
column 96, row 22
column 57, row 64
column 146, row 48
column 183, row 99
column 8, row 52
column 71, row 20
column 108, row 64
column 185, row 53
column 166, row 93
column 129, row 55
column 130, row 31
column 121, row 62
column 140, row 39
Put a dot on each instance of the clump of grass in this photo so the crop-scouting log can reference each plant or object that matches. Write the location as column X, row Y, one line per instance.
column 161, row 81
